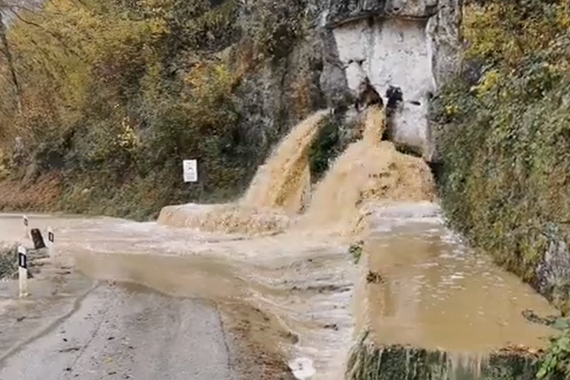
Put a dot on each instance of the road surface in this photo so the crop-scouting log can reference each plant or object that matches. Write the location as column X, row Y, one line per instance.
column 128, row 333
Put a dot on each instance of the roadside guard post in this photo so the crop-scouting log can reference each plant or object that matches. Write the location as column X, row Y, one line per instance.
column 51, row 237
column 37, row 238
column 26, row 227
column 23, row 271
column 51, row 240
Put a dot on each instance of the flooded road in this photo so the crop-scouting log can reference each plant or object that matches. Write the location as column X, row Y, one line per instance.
column 431, row 291
column 275, row 269
column 127, row 333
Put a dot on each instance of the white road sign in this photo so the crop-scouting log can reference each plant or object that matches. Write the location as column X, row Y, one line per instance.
column 190, row 170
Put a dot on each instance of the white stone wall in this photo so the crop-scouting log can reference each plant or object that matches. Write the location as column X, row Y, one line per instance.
column 393, row 52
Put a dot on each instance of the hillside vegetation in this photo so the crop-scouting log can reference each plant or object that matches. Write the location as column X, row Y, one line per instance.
column 505, row 136
column 100, row 100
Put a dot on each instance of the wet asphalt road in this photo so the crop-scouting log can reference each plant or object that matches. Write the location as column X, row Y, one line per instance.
column 125, row 333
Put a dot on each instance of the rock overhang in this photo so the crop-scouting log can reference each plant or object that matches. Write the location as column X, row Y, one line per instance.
column 344, row 11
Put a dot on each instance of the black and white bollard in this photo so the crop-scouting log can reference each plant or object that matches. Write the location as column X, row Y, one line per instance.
column 51, row 236
column 50, row 241
column 23, row 271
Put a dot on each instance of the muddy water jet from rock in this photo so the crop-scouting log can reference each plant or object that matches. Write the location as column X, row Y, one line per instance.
column 304, row 283
column 369, row 170
column 284, row 178
column 279, row 188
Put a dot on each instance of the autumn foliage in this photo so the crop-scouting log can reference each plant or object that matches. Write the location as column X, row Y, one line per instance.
column 114, row 94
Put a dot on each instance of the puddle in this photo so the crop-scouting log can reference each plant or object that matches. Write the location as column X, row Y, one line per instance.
column 435, row 293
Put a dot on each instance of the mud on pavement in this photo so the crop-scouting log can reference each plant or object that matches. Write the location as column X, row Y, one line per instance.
column 249, row 331
column 72, row 327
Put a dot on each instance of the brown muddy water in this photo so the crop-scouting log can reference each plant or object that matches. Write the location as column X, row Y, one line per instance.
column 414, row 284
column 433, row 292
column 430, row 291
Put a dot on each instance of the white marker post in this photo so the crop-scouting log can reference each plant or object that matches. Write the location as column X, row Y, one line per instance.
column 23, row 271
column 51, row 240
column 26, row 227
column 190, row 170
column 50, row 234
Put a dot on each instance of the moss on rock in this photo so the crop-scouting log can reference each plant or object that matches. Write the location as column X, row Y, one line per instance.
column 325, row 148
column 397, row 362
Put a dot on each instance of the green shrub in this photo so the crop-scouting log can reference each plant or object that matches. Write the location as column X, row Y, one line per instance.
column 276, row 27
column 557, row 357
column 325, row 148
column 8, row 262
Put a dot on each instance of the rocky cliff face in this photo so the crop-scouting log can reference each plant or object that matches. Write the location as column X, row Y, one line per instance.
column 504, row 182
column 337, row 44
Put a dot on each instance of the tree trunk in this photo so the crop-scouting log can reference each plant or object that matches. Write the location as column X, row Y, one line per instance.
column 5, row 48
